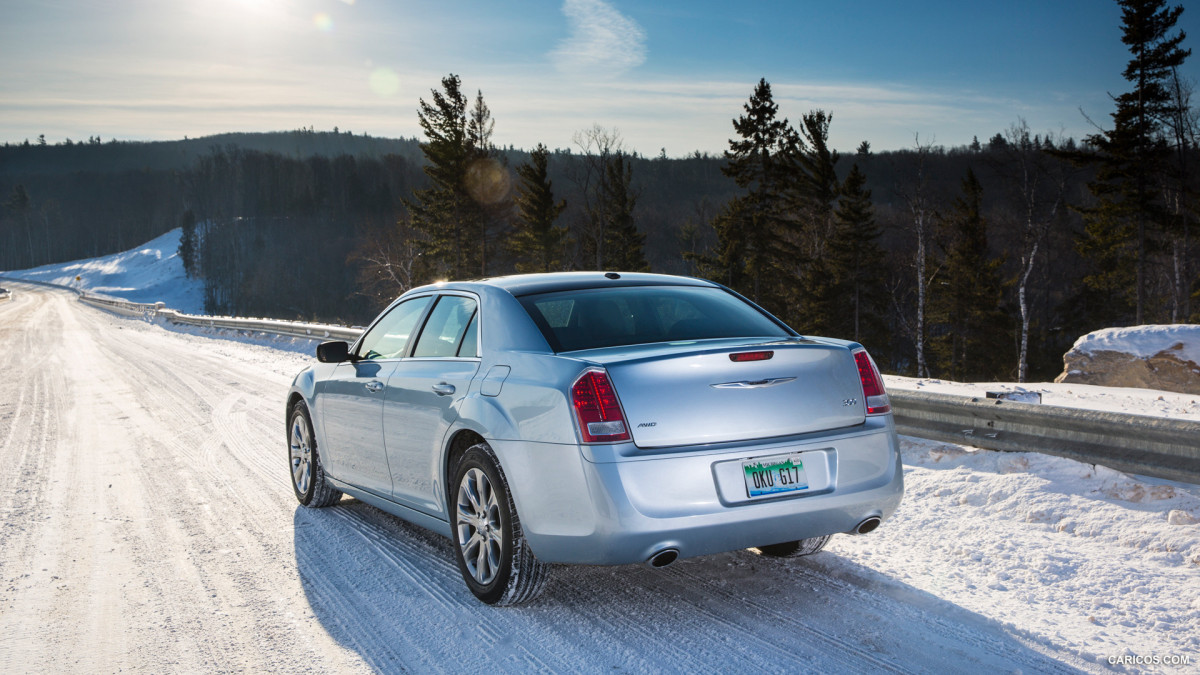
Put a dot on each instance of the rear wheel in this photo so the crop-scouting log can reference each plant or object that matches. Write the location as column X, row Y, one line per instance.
column 489, row 545
column 308, row 476
column 796, row 549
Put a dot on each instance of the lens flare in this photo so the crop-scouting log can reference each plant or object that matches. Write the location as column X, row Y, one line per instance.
column 323, row 22
column 487, row 181
column 384, row 82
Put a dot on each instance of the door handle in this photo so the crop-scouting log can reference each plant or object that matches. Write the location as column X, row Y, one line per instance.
column 374, row 386
column 443, row 389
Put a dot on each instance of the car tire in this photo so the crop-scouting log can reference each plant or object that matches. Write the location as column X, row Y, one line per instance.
column 309, row 482
column 796, row 549
column 495, row 560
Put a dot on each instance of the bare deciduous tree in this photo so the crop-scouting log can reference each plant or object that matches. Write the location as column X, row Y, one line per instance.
column 597, row 148
column 915, row 195
column 1037, row 185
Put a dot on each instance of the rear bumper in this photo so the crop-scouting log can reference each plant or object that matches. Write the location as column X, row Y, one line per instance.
column 575, row 507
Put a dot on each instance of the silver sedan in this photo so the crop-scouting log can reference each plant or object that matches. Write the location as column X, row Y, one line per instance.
column 595, row 418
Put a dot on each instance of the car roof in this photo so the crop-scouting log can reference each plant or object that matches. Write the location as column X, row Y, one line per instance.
column 530, row 284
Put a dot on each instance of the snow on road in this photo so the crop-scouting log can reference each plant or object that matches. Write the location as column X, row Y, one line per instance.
column 147, row 524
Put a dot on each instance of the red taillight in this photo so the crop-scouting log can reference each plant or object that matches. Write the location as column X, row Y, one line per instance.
column 872, row 384
column 597, row 409
column 751, row 356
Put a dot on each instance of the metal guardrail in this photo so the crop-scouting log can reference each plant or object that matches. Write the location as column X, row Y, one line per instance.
column 315, row 331
column 1152, row 446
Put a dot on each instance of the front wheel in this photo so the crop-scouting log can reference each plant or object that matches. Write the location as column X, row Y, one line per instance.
column 489, row 545
column 308, row 475
column 796, row 549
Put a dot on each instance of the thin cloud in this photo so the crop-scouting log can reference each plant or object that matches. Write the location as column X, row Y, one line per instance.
column 603, row 42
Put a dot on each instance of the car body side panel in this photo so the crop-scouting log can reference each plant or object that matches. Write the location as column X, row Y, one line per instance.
column 349, row 403
column 505, row 325
column 534, row 398
column 415, row 420
column 413, row 516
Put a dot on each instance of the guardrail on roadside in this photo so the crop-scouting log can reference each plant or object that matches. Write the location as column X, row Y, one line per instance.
column 315, row 331
column 1152, row 446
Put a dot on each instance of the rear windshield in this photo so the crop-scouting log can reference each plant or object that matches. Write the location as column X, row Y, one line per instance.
column 613, row 317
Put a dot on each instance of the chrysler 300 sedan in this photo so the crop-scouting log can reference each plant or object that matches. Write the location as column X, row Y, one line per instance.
column 597, row 419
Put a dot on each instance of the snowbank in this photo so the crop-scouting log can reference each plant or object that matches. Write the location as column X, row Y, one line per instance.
column 1065, row 553
column 1163, row 357
column 152, row 272
column 1144, row 341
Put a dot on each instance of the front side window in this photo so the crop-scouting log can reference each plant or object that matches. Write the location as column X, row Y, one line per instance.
column 612, row 317
column 388, row 338
column 446, row 328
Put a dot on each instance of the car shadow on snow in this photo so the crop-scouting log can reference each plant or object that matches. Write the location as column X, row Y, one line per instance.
column 391, row 592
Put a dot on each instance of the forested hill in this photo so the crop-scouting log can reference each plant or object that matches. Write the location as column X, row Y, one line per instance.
column 291, row 223
column 96, row 154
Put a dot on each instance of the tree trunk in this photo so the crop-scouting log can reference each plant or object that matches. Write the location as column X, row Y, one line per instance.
column 1022, row 360
column 922, row 369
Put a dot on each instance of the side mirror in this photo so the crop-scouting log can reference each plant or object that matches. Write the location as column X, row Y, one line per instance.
column 333, row 352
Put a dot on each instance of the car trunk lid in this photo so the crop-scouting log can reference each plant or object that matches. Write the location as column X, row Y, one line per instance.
column 735, row 390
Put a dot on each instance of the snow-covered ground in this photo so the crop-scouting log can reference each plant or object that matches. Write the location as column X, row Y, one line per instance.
column 152, row 272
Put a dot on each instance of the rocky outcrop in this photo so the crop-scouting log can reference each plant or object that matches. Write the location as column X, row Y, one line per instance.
column 1149, row 357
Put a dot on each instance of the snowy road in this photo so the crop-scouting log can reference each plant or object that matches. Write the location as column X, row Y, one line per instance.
column 147, row 524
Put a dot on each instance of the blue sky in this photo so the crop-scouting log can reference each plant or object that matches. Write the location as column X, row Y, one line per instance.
column 665, row 74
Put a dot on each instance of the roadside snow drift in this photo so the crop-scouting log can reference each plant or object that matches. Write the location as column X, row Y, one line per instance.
column 1156, row 357
column 152, row 272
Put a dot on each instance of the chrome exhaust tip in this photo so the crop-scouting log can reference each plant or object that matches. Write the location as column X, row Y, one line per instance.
column 663, row 558
column 867, row 525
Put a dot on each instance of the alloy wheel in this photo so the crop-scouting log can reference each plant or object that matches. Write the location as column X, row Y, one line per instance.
column 480, row 527
column 301, row 449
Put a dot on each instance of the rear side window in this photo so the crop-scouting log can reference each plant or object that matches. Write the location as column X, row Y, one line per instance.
column 612, row 317
column 446, row 327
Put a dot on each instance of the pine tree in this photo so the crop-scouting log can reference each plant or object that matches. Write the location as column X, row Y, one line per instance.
column 1131, row 159
column 752, row 251
column 858, row 264
column 812, row 188
column 187, row 242
column 972, row 329
column 813, row 181
column 449, row 212
column 18, row 205
column 624, row 245
column 538, row 245
column 487, row 180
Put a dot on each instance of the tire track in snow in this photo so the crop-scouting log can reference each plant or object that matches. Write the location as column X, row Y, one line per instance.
column 435, row 577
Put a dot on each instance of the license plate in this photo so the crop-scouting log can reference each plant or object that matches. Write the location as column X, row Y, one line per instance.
column 774, row 475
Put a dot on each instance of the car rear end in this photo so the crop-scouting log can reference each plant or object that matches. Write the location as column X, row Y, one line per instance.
column 692, row 439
